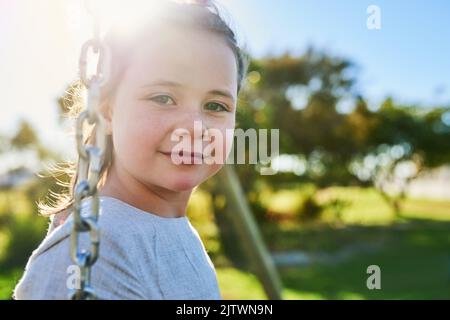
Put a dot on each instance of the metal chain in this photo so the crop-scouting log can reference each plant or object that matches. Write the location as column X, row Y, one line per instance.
column 89, row 165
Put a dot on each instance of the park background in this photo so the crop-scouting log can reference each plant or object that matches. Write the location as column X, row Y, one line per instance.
column 364, row 117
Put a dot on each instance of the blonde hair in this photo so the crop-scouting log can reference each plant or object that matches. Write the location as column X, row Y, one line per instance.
column 202, row 15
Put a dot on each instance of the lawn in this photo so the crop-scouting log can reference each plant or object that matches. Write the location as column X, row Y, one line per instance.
column 412, row 251
column 413, row 257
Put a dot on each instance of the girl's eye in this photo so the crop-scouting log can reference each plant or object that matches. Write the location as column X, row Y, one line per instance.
column 216, row 107
column 163, row 99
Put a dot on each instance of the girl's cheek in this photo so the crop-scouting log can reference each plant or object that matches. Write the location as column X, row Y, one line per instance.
column 138, row 134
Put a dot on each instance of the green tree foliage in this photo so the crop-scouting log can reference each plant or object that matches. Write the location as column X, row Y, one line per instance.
column 333, row 143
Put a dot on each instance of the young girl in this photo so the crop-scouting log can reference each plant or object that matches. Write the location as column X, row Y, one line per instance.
column 181, row 68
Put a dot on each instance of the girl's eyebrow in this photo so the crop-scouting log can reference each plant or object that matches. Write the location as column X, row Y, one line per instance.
column 224, row 93
column 163, row 83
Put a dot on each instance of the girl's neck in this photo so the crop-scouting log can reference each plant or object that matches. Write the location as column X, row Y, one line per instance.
column 150, row 198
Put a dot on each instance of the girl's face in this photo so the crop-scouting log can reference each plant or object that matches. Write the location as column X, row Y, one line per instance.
column 173, row 79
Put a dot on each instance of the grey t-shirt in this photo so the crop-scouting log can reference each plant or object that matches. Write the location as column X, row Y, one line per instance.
column 141, row 256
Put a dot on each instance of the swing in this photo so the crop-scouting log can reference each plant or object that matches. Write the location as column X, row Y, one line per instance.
column 89, row 164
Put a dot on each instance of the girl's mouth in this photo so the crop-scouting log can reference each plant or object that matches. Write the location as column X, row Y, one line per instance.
column 185, row 157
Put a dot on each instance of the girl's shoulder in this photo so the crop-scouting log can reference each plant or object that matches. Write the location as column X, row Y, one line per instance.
column 117, row 227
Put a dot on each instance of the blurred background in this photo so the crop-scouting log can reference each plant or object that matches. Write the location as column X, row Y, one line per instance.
column 364, row 166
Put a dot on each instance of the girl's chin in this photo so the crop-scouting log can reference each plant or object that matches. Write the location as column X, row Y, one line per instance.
column 185, row 181
column 181, row 185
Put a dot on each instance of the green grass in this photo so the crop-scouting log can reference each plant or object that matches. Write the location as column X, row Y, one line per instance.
column 367, row 207
column 8, row 280
column 413, row 251
column 236, row 284
column 413, row 257
column 414, row 265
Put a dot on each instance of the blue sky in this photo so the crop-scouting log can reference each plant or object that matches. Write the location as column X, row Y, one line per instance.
column 409, row 58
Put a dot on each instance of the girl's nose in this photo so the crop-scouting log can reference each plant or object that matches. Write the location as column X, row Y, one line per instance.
column 194, row 119
column 194, row 125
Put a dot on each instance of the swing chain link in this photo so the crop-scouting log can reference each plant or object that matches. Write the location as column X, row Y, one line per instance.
column 90, row 162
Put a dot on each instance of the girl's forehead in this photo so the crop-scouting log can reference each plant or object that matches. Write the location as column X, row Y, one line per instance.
column 185, row 56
